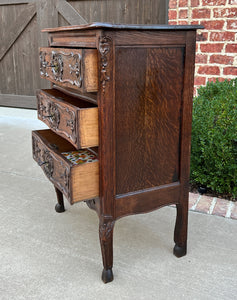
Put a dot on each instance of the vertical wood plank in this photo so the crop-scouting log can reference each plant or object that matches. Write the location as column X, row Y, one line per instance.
column 47, row 16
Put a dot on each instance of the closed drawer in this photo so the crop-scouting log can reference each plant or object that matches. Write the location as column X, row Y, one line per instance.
column 73, row 119
column 72, row 68
column 76, row 181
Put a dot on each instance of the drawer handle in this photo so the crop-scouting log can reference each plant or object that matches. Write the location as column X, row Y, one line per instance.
column 43, row 163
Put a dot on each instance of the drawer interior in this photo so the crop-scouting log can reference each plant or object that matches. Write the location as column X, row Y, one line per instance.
column 54, row 141
column 69, row 99
column 57, row 143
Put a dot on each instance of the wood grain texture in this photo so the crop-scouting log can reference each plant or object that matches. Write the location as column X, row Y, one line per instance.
column 87, row 39
column 85, row 182
column 122, row 11
column 88, row 127
column 15, row 29
column 181, row 226
column 156, row 197
column 47, row 15
column 106, row 125
column 148, row 122
column 18, row 101
column 20, row 74
column 69, row 13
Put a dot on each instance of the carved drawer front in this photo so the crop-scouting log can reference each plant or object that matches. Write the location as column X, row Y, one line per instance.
column 77, row 181
column 70, row 68
column 73, row 119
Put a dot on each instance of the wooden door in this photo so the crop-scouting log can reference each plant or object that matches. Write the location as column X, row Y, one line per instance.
column 20, row 35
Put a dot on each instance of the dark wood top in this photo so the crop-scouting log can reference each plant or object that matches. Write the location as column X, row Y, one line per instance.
column 123, row 26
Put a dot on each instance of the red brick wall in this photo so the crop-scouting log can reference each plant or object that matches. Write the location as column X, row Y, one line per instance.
column 216, row 51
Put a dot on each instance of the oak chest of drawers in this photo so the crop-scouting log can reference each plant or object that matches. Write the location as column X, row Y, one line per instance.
column 119, row 113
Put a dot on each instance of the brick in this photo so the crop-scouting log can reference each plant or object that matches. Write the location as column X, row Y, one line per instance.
column 221, row 207
column 201, row 13
column 213, row 2
column 220, row 79
column 172, row 22
column 202, row 37
column 195, row 23
column 204, row 204
column 183, row 14
column 173, row 4
column 225, row 12
column 172, row 14
column 221, row 59
column 183, row 22
column 231, row 24
column 212, row 48
column 194, row 3
column 230, row 71
column 201, row 59
column 198, row 80
column 231, row 48
column 209, row 70
column 192, row 199
column 213, row 24
column 234, row 211
column 183, row 3
column 222, row 36
column 232, row 1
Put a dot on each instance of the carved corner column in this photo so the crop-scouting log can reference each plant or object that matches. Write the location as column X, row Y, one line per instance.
column 106, row 153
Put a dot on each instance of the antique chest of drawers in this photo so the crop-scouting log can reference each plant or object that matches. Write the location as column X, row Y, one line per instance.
column 119, row 113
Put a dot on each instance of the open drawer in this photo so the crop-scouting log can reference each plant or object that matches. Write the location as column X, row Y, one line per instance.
column 77, row 176
column 74, row 119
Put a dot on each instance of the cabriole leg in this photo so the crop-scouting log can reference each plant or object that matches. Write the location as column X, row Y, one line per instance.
column 106, row 242
column 180, row 232
column 59, row 207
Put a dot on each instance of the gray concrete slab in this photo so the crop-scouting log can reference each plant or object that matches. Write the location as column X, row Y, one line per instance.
column 45, row 255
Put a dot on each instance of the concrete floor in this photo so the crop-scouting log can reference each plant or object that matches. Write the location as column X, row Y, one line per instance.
column 45, row 255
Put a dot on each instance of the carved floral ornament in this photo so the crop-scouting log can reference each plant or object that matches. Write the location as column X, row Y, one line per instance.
column 56, row 65
column 43, row 157
column 106, row 230
column 105, row 45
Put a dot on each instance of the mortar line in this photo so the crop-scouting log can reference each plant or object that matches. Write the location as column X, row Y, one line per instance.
column 229, row 209
column 213, row 203
column 196, row 203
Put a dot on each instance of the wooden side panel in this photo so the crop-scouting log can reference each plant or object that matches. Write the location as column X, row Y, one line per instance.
column 148, row 112
column 91, row 70
column 88, row 127
column 85, row 182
